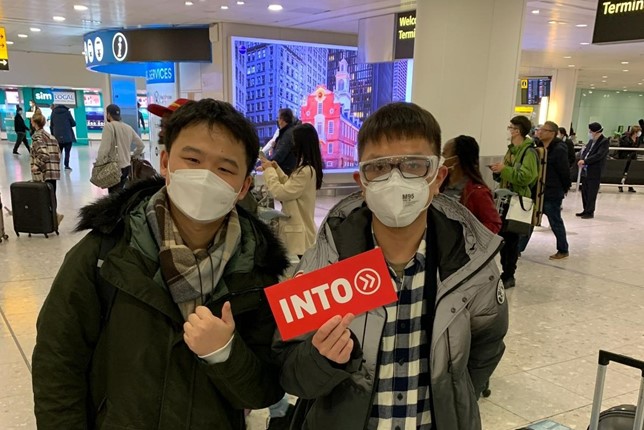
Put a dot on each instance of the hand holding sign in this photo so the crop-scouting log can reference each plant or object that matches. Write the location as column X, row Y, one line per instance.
column 312, row 301
column 333, row 339
column 205, row 333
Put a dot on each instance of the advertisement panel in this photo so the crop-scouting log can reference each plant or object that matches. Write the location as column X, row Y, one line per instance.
column 95, row 120
column 92, row 100
column 323, row 85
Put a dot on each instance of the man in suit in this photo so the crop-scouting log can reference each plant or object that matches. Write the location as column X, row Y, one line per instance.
column 592, row 162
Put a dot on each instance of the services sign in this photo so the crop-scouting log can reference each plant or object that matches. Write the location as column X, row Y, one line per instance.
column 355, row 285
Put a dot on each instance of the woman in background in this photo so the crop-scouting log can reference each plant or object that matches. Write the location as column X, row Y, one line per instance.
column 45, row 157
column 297, row 191
column 465, row 182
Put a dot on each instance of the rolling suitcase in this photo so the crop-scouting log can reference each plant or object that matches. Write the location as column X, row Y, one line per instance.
column 3, row 234
column 624, row 417
column 33, row 208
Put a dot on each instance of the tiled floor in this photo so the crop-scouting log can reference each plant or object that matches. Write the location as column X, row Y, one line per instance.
column 561, row 312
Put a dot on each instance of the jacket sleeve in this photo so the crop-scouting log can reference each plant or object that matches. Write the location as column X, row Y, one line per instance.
column 572, row 157
column 138, row 143
column 562, row 167
column 107, row 141
column 524, row 175
column 600, row 154
column 481, row 204
column 283, row 149
column 489, row 322
column 72, row 122
column 292, row 188
column 68, row 327
column 249, row 378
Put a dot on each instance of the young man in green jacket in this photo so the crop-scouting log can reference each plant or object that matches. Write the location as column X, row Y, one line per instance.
column 169, row 329
column 517, row 172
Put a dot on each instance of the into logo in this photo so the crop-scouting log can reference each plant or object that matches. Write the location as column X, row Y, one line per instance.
column 367, row 282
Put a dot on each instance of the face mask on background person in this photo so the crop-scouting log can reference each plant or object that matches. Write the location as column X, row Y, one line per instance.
column 591, row 135
column 200, row 194
column 397, row 201
column 450, row 167
column 639, row 133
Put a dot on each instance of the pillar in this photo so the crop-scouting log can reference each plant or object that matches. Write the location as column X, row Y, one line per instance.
column 466, row 60
column 562, row 96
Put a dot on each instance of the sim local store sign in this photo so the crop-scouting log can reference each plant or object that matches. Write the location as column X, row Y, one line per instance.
column 619, row 21
column 46, row 98
column 355, row 285
column 404, row 35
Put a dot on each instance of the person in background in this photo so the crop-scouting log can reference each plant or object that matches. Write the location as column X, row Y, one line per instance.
column 465, row 182
column 570, row 145
column 140, row 115
column 62, row 125
column 421, row 361
column 283, row 153
column 186, row 341
column 517, row 172
column 30, row 113
column 557, row 184
column 297, row 191
column 117, row 133
column 631, row 139
column 592, row 162
column 45, row 157
column 20, row 128
column 267, row 149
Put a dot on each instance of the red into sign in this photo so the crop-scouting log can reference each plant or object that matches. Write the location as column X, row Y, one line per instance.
column 354, row 285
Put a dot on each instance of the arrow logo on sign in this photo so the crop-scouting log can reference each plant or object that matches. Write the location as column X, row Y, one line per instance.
column 367, row 282
column 3, row 62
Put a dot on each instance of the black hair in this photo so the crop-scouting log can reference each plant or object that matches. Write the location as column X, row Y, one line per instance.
column 212, row 113
column 286, row 115
column 18, row 109
column 563, row 131
column 400, row 120
column 467, row 150
column 523, row 123
column 307, row 150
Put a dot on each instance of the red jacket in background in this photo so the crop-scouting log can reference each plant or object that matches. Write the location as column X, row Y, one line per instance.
column 478, row 199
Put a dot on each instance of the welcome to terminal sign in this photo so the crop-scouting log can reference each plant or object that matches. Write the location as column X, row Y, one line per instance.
column 619, row 21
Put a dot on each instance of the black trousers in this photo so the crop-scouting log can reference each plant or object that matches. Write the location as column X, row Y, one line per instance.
column 509, row 255
column 589, row 190
column 125, row 171
column 67, row 148
column 22, row 138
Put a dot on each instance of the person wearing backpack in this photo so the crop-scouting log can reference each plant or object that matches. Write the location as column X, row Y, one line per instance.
column 517, row 172
column 169, row 327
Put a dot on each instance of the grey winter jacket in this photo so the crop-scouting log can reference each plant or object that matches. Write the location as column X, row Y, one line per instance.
column 467, row 327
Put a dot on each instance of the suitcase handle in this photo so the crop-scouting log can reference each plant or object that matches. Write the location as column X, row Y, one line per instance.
column 606, row 357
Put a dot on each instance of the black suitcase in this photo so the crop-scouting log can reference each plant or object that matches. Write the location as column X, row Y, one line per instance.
column 33, row 206
column 624, row 417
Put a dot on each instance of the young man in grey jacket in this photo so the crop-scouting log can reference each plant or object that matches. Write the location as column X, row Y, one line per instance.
column 422, row 361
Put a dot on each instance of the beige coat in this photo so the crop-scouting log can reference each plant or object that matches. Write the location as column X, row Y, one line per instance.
column 297, row 194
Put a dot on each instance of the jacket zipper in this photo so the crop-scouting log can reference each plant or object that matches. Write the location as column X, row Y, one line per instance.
column 449, row 352
column 376, row 373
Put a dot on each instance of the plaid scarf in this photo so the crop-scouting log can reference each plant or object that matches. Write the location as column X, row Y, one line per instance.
column 190, row 275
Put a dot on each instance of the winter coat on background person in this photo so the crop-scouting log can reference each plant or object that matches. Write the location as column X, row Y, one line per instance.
column 45, row 157
column 19, row 125
column 61, row 124
column 465, row 328
column 558, row 174
column 133, row 369
column 478, row 199
column 283, row 152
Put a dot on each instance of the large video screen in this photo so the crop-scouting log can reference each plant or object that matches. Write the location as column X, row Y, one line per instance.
column 324, row 85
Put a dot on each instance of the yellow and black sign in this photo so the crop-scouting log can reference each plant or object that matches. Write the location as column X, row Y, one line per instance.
column 619, row 21
column 405, row 35
column 4, row 52
column 524, row 84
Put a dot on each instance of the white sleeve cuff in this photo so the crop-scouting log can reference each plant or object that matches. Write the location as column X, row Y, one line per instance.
column 220, row 355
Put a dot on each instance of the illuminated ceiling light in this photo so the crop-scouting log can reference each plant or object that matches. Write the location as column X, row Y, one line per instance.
column 23, row 36
column 625, row 70
column 535, row 12
column 59, row 18
column 552, row 22
column 585, row 43
column 35, row 30
column 581, row 25
column 567, row 57
column 624, row 90
column 224, row 7
column 607, row 76
column 275, row 7
column 188, row 3
column 80, row 7
column 604, row 81
column 9, row 42
column 571, row 65
column 241, row 3
column 624, row 62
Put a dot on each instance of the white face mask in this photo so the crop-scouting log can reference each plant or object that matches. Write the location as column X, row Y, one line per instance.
column 591, row 135
column 200, row 194
column 397, row 202
column 639, row 133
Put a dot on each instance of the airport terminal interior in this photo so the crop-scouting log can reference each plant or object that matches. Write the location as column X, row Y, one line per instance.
column 333, row 64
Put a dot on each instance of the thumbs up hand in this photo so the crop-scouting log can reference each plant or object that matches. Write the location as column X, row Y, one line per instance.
column 204, row 333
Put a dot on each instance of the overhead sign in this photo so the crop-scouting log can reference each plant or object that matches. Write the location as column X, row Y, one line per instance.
column 43, row 98
column 619, row 21
column 67, row 98
column 92, row 100
column 160, row 73
column 523, row 110
column 533, row 89
column 4, row 51
column 354, row 285
column 405, row 35
column 125, row 52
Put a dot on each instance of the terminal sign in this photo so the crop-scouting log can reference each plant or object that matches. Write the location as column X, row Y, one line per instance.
column 355, row 285
column 4, row 52
column 619, row 21
column 405, row 35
